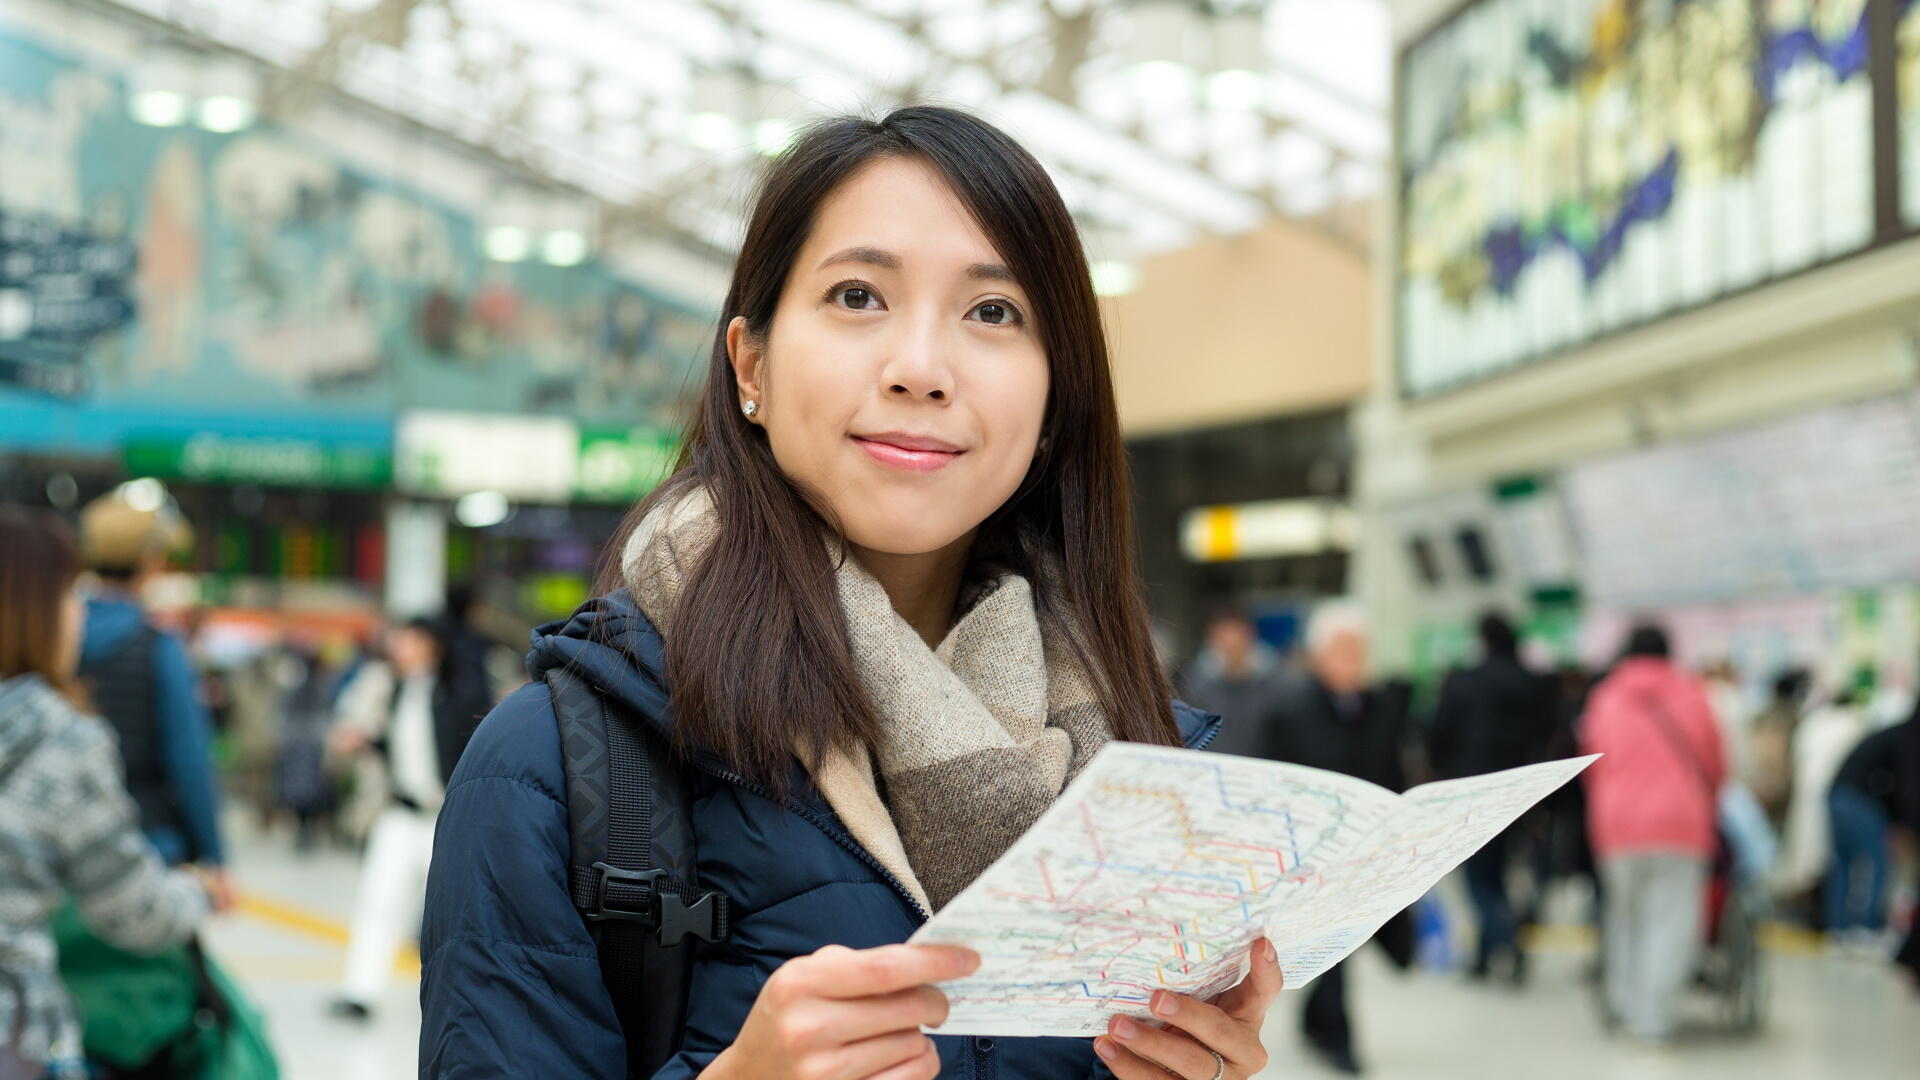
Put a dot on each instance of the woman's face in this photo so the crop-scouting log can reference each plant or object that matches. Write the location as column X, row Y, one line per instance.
column 903, row 378
column 412, row 651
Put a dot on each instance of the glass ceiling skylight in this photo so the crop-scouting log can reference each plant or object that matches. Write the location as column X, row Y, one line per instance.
column 1162, row 120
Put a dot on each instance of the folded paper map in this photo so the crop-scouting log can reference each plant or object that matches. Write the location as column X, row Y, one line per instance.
column 1157, row 868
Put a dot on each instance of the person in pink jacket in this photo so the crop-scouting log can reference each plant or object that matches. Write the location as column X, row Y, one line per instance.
column 1652, row 817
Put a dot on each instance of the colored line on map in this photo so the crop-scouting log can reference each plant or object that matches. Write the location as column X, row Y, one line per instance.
column 1088, row 992
column 1220, row 778
column 1151, row 871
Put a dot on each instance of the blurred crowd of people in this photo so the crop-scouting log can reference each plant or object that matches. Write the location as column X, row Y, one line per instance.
column 301, row 717
column 1703, row 814
column 116, row 727
column 1801, row 805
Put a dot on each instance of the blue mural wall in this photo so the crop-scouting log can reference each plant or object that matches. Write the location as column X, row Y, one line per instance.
column 160, row 281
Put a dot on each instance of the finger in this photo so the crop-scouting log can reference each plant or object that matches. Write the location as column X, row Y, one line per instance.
column 1236, row 1040
column 868, row 1057
column 1127, row 1065
column 923, row 1066
column 902, row 1010
column 858, row 973
column 1248, row 1002
column 1173, row 1050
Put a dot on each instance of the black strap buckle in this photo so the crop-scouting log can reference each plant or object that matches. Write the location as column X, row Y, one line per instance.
column 648, row 898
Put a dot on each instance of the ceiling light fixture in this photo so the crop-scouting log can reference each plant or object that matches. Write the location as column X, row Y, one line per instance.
column 160, row 89
column 229, row 97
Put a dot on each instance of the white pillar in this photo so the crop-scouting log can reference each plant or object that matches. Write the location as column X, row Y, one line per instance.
column 416, row 558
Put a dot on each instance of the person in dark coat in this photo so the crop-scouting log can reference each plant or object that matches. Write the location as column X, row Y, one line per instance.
column 1236, row 676
column 1561, row 849
column 1492, row 716
column 883, row 611
column 1331, row 718
column 142, row 680
column 798, row 880
column 1906, row 802
column 1869, row 795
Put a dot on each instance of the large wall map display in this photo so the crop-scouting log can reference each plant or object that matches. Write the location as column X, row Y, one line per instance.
column 1571, row 168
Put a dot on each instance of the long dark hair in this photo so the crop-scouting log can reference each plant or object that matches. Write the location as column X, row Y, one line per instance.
column 38, row 565
column 757, row 657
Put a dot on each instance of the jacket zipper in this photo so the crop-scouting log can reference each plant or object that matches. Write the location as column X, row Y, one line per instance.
column 1213, row 732
column 839, row 836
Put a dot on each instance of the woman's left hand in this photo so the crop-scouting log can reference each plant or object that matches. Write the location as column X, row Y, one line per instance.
column 1196, row 1031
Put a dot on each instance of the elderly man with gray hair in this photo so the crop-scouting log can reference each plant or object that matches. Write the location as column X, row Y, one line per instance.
column 1331, row 717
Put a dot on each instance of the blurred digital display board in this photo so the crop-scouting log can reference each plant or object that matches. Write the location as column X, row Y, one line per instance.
column 1826, row 500
column 1572, row 168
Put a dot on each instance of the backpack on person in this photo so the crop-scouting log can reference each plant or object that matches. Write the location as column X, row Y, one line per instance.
column 631, row 866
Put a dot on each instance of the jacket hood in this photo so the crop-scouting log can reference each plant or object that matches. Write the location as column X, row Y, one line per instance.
column 111, row 623
column 609, row 642
column 612, row 644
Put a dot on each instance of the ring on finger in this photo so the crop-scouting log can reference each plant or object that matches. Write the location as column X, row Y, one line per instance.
column 1219, row 1065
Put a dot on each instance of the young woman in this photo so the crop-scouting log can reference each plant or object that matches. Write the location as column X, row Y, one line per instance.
column 886, row 607
column 67, row 824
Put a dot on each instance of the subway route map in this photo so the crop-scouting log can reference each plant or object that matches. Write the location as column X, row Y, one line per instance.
column 1157, row 868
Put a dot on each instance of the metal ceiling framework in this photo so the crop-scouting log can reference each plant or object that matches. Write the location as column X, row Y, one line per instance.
column 596, row 95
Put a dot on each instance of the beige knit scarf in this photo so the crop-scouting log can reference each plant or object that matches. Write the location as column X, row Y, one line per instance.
column 979, row 735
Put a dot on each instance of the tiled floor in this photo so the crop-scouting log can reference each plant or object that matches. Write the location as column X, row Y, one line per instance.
column 1831, row 1016
column 287, row 944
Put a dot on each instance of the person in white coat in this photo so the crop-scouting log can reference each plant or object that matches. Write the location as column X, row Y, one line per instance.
column 1820, row 743
column 394, row 874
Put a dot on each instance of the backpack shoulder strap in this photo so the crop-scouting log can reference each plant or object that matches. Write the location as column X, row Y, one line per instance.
column 631, row 866
column 1682, row 747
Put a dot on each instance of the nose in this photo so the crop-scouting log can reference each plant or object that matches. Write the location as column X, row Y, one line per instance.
column 918, row 366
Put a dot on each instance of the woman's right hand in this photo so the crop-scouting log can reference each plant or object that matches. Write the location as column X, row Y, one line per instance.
column 847, row 1014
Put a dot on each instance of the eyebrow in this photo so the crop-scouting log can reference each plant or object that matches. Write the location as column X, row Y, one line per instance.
column 887, row 260
column 991, row 272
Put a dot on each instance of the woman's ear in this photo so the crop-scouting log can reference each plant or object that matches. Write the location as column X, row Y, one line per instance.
column 746, row 354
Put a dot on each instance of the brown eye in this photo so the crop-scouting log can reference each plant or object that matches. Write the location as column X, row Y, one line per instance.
column 855, row 296
column 995, row 313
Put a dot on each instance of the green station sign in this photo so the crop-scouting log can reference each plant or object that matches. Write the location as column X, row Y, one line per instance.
column 614, row 464
column 622, row 464
column 270, row 460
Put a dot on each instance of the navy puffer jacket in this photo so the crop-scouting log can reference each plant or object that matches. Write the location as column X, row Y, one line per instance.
column 510, row 983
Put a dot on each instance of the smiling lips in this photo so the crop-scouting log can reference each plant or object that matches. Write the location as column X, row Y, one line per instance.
column 914, row 453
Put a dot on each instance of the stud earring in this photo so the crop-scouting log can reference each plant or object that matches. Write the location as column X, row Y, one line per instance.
column 750, row 408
